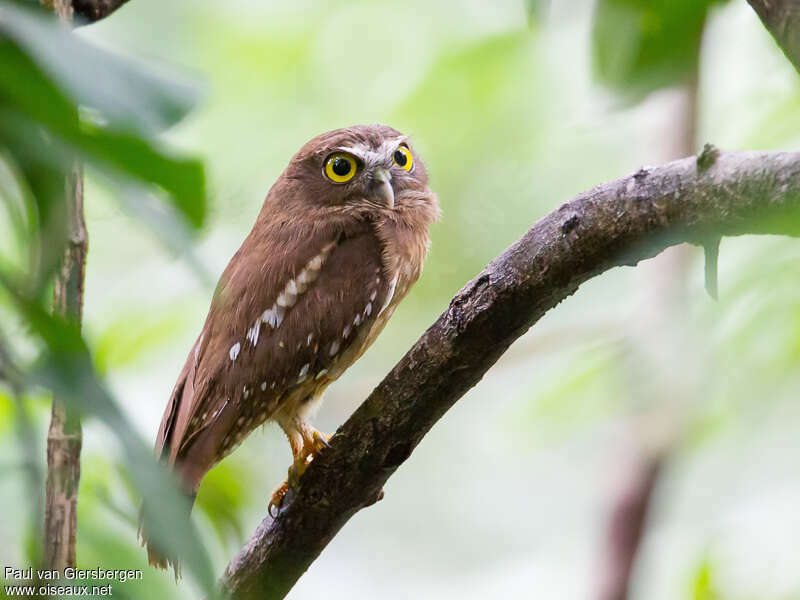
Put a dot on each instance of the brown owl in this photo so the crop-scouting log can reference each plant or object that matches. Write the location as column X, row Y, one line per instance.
column 339, row 241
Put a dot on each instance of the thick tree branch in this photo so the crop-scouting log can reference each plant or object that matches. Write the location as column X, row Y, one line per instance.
column 615, row 224
column 782, row 19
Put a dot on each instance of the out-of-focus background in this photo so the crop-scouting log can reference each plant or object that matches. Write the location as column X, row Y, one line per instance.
column 514, row 112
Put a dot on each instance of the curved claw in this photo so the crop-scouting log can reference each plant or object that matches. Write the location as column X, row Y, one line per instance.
column 276, row 500
column 321, row 440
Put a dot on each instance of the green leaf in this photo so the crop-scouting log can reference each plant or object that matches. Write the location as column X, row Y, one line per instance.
column 28, row 92
column 65, row 367
column 643, row 45
column 127, row 95
column 703, row 582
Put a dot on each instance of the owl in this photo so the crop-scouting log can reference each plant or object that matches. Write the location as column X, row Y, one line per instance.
column 339, row 240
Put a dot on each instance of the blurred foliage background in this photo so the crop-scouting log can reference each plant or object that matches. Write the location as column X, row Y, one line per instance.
column 515, row 106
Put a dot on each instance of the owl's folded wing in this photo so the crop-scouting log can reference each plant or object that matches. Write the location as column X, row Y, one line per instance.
column 277, row 327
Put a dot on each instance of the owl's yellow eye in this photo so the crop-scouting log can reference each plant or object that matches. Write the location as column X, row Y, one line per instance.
column 340, row 167
column 403, row 159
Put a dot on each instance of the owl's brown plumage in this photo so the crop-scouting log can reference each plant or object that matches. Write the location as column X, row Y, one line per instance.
column 305, row 295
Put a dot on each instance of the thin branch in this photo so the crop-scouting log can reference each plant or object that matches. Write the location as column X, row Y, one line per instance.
column 615, row 224
column 64, row 438
column 626, row 526
column 782, row 19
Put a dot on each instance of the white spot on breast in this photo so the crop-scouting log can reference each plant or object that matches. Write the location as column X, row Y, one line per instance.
column 303, row 373
column 305, row 277
column 368, row 309
column 357, row 320
column 373, row 295
column 315, row 263
column 234, row 351
column 263, row 386
column 286, row 299
column 346, row 332
column 309, row 338
column 320, row 374
column 253, row 332
column 280, row 343
column 246, row 392
column 334, row 348
column 273, row 316
column 240, row 421
column 291, row 288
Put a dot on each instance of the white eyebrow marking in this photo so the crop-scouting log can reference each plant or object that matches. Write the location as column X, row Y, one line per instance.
column 373, row 156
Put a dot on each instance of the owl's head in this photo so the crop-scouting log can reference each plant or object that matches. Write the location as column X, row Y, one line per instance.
column 366, row 167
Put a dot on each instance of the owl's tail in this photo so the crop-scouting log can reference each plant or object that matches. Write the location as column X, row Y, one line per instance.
column 156, row 556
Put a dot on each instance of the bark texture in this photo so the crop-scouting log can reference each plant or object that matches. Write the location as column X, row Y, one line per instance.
column 64, row 437
column 782, row 19
column 619, row 223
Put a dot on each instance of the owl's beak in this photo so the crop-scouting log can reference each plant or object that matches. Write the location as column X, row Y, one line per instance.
column 381, row 188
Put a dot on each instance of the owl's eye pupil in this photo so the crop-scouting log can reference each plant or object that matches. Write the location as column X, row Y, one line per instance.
column 341, row 167
column 400, row 158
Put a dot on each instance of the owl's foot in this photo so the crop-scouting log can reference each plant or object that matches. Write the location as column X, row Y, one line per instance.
column 312, row 445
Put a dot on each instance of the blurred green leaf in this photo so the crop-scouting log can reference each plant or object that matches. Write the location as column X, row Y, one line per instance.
column 222, row 497
column 125, row 94
column 535, row 10
column 65, row 367
column 28, row 92
column 129, row 337
column 703, row 582
column 643, row 45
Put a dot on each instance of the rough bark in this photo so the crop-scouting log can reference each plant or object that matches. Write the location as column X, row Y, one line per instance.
column 615, row 224
column 782, row 19
column 64, row 436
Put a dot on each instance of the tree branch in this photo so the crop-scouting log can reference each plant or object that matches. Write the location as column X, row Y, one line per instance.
column 782, row 19
column 615, row 224
column 64, row 438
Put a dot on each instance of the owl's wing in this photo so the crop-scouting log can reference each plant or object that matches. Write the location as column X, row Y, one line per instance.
column 281, row 320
